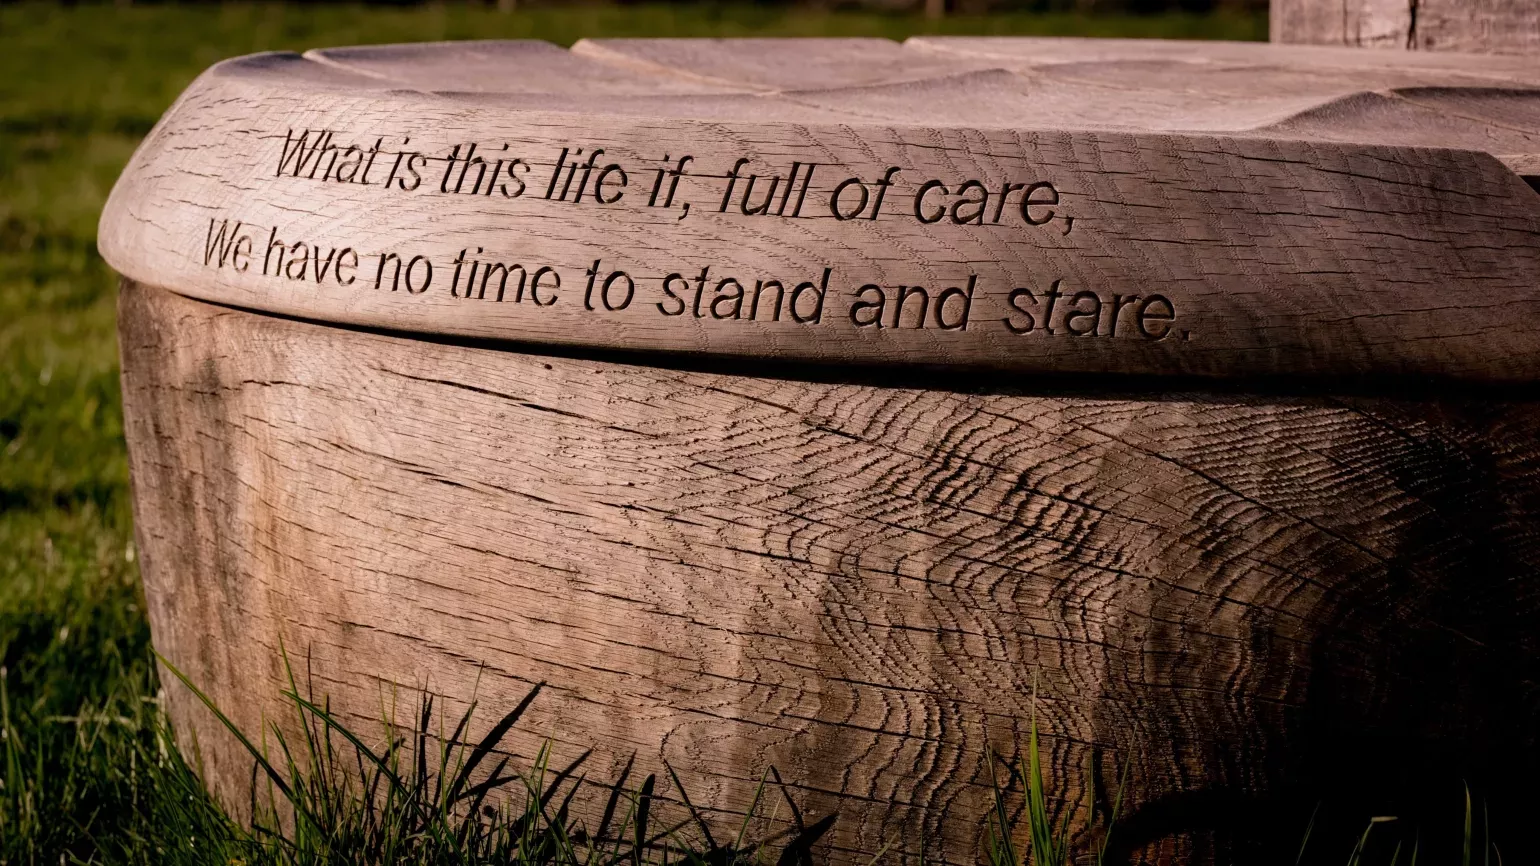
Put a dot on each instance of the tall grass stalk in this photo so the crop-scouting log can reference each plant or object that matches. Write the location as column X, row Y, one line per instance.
column 1049, row 841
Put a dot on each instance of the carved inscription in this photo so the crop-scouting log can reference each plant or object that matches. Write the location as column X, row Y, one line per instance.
column 494, row 177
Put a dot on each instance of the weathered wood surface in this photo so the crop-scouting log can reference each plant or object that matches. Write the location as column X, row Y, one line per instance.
column 859, row 582
column 1499, row 26
column 1009, row 274
column 1091, row 206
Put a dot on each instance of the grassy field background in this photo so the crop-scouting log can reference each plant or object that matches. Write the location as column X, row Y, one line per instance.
column 87, row 774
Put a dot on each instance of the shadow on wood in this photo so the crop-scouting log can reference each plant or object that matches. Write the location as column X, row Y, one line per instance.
column 1249, row 598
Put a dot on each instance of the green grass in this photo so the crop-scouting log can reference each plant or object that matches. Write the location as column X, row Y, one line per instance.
column 89, row 772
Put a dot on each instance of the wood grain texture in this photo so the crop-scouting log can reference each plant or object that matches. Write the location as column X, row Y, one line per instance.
column 860, row 582
column 1498, row 26
column 1033, row 205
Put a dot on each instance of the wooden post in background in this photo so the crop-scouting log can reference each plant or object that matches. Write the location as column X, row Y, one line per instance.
column 1484, row 26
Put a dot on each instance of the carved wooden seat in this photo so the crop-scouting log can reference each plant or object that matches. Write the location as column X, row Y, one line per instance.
column 837, row 404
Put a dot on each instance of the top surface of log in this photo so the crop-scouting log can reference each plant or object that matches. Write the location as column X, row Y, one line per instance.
column 1060, row 205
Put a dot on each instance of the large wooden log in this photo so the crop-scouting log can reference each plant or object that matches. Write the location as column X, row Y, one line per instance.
column 1180, row 395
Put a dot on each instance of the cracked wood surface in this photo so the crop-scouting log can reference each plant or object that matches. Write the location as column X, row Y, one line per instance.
column 858, row 582
column 1497, row 26
column 1238, row 210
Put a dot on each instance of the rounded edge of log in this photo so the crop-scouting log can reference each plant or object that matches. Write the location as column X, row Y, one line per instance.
column 1070, row 207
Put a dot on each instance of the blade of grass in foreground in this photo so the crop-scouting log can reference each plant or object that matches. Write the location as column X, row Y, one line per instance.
column 230, row 726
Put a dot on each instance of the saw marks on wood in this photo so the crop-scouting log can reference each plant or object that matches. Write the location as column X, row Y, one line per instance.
column 863, row 584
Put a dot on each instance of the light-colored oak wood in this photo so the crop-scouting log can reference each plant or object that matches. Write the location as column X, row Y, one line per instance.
column 806, row 402
column 1074, row 206
column 1501, row 26
column 861, row 584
